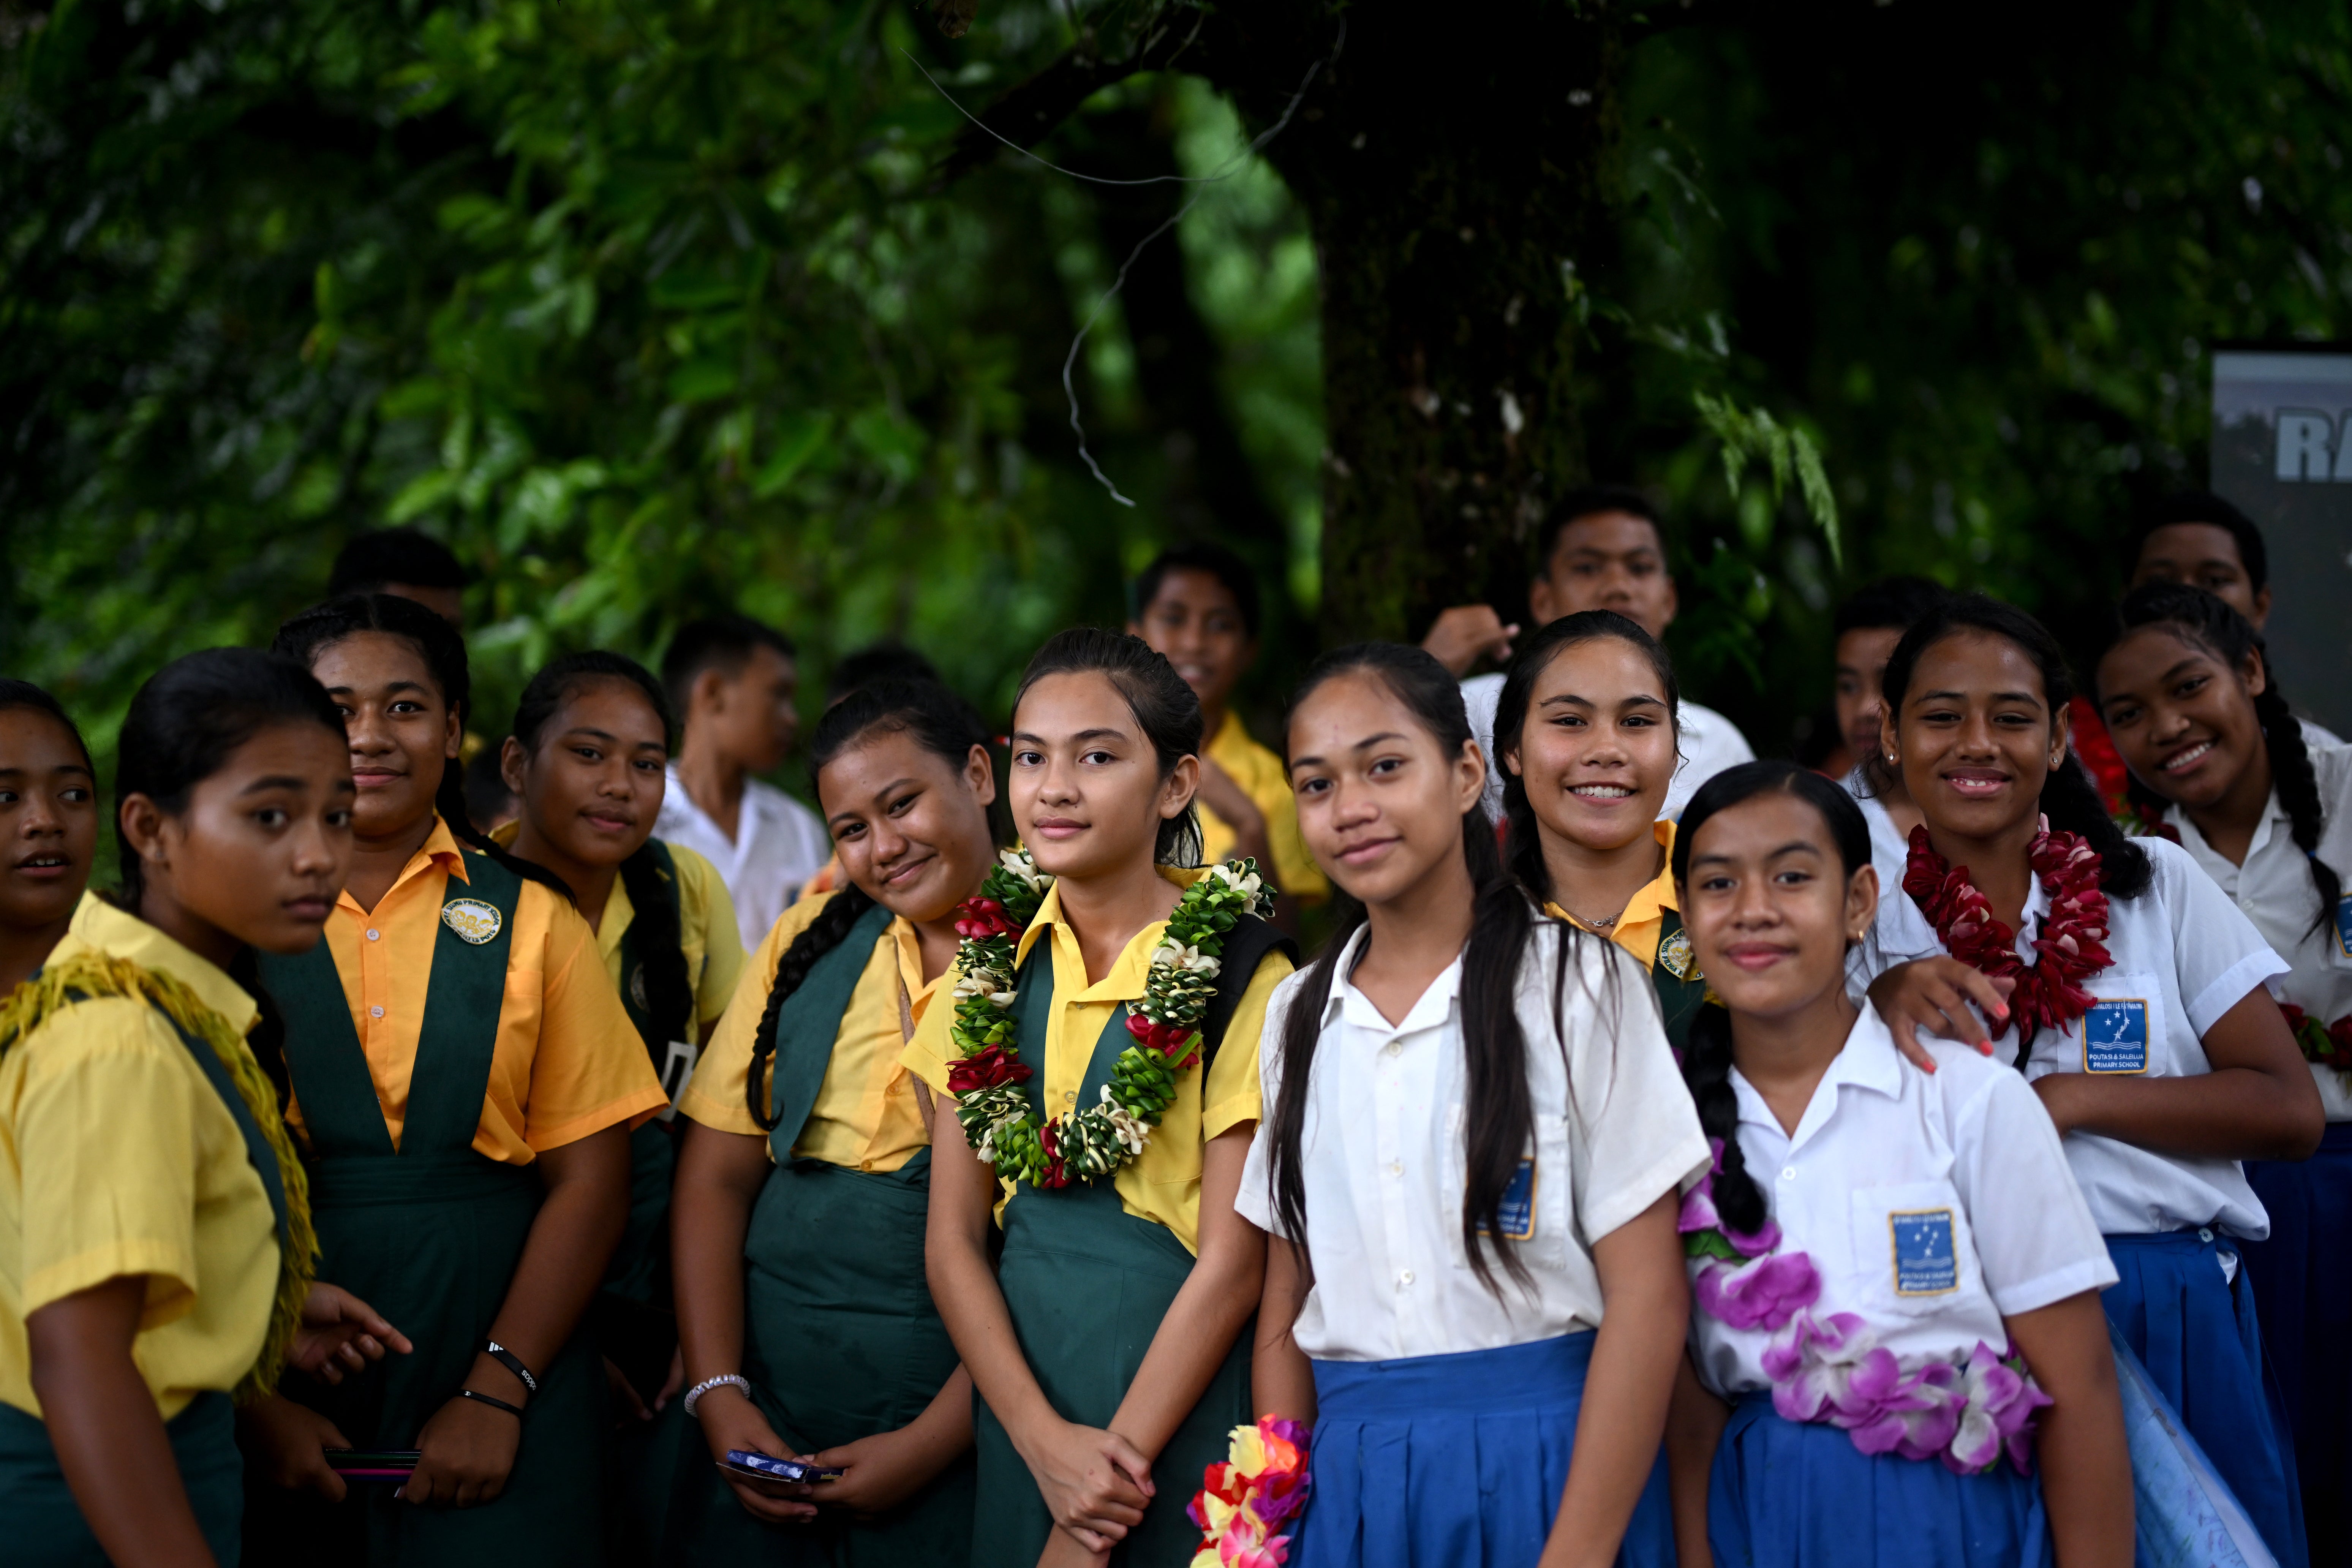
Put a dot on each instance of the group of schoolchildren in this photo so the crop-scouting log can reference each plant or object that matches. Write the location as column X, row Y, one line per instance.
column 1669, row 1157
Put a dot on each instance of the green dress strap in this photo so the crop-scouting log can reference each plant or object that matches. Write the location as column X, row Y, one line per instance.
column 807, row 1026
column 1682, row 989
column 257, row 1143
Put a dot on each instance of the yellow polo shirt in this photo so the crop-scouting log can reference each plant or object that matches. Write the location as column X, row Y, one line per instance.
column 1260, row 773
column 867, row 1117
column 706, row 928
column 117, row 1158
column 1638, row 929
column 566, row 1061
column 1162, row 1184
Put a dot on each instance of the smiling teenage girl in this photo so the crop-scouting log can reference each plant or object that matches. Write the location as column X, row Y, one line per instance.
column 1876, row 1246
column 809, row 1328
column 1473, row 1402
column 464, row 1077
column 1107, row 1351
column 2216, row 757
column 155, row 1242
column 2137, row 1012
column 1585, row 732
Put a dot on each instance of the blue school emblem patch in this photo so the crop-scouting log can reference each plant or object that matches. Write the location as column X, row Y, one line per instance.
column 2114, row 1036
column 2343, row 924
column 1926, row 1263
column 1675, row 955
column 472, row 919
column 1516, row 1213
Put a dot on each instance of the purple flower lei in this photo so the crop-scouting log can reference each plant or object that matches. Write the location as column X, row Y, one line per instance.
column 1965, row 1412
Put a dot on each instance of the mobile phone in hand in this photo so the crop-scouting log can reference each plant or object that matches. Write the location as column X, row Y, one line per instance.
column 765, row 1468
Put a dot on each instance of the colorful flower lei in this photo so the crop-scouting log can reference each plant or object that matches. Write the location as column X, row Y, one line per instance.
column 1261, row 1486
column 2329, row 1045
column 1966, row 1413
column 1093, row 1140
column 2071, row 947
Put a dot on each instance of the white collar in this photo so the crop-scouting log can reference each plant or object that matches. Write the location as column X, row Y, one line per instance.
column 1868, row 1061
column 1343, row 1001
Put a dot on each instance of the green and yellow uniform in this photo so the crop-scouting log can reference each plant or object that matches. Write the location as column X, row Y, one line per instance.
column 1090, row 1270
column 1262, row 777
column 1651, row 928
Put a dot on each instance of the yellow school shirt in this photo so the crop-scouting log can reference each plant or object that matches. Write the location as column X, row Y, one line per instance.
column 565, row 1062
column 1638, row 929
column 706, row 928
column 867, row 1116
column 117, row 1158
column 1162, row 1184
column 1260, row 773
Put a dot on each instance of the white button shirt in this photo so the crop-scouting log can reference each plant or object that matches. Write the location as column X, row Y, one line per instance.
column 1892, row 1171
column 2183, row 956
column 1383, row 1157
column 1890, row 852
column 1709, row 744
column 778, row 844
column 2274, row 891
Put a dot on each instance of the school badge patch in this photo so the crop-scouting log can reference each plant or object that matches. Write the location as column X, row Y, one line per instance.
column 637, row 989
column 472, row 919
column 1675, row 955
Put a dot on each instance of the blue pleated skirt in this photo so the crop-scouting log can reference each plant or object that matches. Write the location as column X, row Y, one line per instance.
column 1454, row 1461
column 2196, row 1333
column 2303, row 1295
column 1799, row 1494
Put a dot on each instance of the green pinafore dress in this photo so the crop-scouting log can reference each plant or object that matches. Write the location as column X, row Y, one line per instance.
column 840, row 1338
column 430, row 1235
column 44, row 1527
column 1673, row 974
column 1086, row 1284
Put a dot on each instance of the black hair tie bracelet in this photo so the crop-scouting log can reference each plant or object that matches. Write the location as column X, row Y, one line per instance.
column 512, row 1362
column 513, row 1410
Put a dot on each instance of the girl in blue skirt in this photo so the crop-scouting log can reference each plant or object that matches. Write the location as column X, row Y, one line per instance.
column 1469, row 1172
column 2135, row 1008
column 2218, row 758
column 1896, row 1278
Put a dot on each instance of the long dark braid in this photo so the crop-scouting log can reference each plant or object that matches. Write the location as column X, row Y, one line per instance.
column 652, row 901
column 1522, row 836
column 942, row 723
column 444, row 651
column 2213, row 627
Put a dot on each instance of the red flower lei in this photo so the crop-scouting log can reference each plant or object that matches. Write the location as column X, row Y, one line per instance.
column 2071, row 947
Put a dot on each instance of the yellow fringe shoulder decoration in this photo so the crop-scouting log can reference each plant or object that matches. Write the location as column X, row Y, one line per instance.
column 93, row 974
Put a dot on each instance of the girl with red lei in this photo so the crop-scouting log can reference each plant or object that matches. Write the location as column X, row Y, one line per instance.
column 2127, row 988
column 2224, row 768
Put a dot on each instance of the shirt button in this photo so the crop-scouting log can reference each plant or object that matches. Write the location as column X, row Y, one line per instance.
column 1396, row 1167
column 1788, row 1172
column 375, row 1012
column 375, row 935
column 2205, row 1235
column 1071, row 1096
column 1405, row 1277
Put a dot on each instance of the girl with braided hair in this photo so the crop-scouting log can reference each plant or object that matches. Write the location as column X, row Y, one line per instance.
column 2219, row 761
column 1585, row 736
column 2134, row 1004
column 158, row 1259
column 798, row 1215
column 1881, row 1258
column 465, row 1081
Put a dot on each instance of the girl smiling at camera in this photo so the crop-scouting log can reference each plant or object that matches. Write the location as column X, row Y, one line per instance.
column 1102, row 1059
column 1468, row 1175
column 2220, row 759
column 463, row 1081
column 802, row 1186
column 1585, row 736
column 1883, row 1257
column 2134, row 1006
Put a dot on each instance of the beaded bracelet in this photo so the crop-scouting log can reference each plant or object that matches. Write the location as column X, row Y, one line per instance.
column 728, row 1380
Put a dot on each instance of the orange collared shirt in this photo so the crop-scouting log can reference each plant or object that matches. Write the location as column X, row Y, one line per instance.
column 566, row 1061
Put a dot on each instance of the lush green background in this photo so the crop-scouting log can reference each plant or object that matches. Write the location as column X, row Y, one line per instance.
column 650, row 307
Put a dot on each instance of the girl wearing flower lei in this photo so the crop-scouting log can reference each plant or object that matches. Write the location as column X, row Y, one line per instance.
column 1919, row 1291
column 1474, row 1290
column 2129, row 990
column 1098, row 1072
column 2222, row 764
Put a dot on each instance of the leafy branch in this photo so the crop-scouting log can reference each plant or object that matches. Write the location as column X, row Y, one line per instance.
column 1752, row 435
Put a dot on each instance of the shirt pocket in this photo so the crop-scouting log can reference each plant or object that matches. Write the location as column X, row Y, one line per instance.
column 1912, row 1254
column 2124, row 1032
column 1536, row 1211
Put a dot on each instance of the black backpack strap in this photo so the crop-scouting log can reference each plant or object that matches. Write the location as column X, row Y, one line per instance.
column 1246, row 946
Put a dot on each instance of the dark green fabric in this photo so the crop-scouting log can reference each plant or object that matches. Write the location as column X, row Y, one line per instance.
column 808, row 1024
column 44, row 1527
column 430, row 1236
column 1086, row 1284
column 639, row 1272
column 1679, row 1000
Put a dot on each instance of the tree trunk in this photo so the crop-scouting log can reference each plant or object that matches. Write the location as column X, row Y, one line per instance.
column 1457, row 176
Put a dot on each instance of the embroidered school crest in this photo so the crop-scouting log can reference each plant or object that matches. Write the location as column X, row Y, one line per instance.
column 472, row 919
column 1675, row 957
